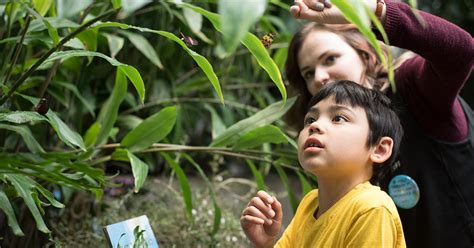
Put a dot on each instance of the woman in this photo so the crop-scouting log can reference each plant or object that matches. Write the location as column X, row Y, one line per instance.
column 438, row 148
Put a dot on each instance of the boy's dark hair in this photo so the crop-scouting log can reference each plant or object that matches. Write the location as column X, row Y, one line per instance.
column 382, row 119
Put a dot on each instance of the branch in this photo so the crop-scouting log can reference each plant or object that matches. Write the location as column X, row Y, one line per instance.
column 17, row 50
column 246, row 154
column 51, row 51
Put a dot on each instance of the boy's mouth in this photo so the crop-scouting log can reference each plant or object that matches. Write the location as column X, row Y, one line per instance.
column 313, row 142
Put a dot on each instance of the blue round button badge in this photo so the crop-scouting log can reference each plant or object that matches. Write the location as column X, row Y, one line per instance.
column 404, row 191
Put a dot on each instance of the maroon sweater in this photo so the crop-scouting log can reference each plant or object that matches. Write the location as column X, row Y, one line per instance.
column 430, row 83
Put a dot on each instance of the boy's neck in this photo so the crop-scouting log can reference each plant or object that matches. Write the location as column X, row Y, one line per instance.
column 330, row 191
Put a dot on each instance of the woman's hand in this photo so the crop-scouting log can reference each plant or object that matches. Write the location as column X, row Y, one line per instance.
column 261, row 220
column 322, row 11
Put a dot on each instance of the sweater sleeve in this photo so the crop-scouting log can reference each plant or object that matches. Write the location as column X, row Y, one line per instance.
column 430, row 82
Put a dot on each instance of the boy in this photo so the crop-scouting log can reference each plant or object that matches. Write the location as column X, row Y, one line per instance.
column 350, row 136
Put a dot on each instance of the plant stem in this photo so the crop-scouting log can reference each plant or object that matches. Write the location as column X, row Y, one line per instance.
column 50, row 76
column 17, row 50
column 160, row 147
column 51, row 51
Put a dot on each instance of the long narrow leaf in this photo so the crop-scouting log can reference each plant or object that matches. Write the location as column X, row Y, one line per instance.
column 144, row 47
column 7, row 208
column 217, row 209
column 151, row 130
column 20, row 117
column 262, row 118
column 261, row 135
column 289, row 190
column 25, row 188
column 130, row 71
column 27, row 136
column 236, row 19
column 354, row 11
column 183, row 183
column 139, row 170
column 67, row 135
column 257, row 175
column 109, row 112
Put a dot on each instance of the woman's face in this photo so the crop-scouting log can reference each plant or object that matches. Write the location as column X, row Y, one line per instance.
column 325, row 58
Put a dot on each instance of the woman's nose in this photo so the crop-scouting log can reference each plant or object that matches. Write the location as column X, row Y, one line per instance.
column 321, row 76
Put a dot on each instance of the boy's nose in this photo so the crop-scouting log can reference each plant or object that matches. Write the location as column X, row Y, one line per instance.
column 315, row 127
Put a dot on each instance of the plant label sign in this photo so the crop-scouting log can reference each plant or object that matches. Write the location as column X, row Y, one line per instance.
column 135, row 232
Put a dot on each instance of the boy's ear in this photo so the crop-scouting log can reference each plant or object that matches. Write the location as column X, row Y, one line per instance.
column 382, row 150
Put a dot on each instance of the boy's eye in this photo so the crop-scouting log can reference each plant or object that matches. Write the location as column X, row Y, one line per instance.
column 308, row 121
column 339, row 118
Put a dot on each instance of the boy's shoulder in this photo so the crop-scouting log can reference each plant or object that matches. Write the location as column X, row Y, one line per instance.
column 369, row 197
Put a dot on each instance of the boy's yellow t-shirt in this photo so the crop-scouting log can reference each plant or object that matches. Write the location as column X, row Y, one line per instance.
column 364, row 217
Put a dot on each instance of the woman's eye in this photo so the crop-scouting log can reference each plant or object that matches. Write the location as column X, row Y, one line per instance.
column 308, row 75
column 308, row 121
column 339, row 118
column 331, row 59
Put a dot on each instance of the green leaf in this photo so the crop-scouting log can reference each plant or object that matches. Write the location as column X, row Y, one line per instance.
column 259, row 136
column 27, row 136
column 25, row 188
column 139, row 170
column 68, row 136
column 218, row 126
column 257, row 175
column 90, row 138
column 71, row 87
column 130, row 6
column 129, row 122
column 144, row 47
column 136, row 79
column 20, row 117
column 68, row 8
column 255, row 47
column 130, row 71
column 42, row 6
column 7, row 208
column 57, row 23
column 115, row 43
column 210, row 187
column 183, row 183
column 305, row 185
column 202, row 62
column 355, row 12
column 89, row 39
column 120, row 155
column 236, row 19
column 193, row 19
column 109, row 112
column 117, row 4
column 53, row 33
column 151, row 130
column 261, row 118
column 286, row 184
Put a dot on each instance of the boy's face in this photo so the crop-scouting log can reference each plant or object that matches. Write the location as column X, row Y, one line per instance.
column 334, row 139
